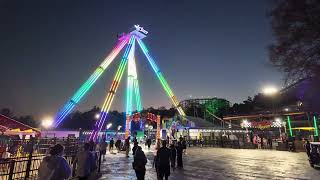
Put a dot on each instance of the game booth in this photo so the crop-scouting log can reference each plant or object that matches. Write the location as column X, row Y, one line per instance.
column 285, row 130
column 14, row 135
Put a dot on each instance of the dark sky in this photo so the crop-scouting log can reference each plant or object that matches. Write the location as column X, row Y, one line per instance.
column 204, row 48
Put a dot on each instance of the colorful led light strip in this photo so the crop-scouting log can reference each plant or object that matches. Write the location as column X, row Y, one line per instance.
column 161, row 78
column 88, row 84
column 137, row 94
column 132, row 88
column 316, row 131
column 129, row 92
column 289, row 124
column 115, row 84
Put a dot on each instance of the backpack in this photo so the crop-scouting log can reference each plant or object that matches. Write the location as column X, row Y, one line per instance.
column 45, row 173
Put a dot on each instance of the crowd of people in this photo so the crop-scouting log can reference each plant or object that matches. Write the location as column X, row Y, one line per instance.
column 262, row 143
column 55, row 167
column 167, row 156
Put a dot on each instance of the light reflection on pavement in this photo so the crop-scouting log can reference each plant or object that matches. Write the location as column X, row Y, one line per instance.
column 220, row 163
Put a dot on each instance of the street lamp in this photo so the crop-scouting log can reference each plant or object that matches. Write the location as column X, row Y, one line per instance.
column 269, row 90
column 119, row 127
column 97, row 116
column 47, row 122
column 109, row 125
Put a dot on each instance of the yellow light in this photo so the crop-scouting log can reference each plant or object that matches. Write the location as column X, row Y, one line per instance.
column 269, row 90
column 304, row 128
column 47, row 122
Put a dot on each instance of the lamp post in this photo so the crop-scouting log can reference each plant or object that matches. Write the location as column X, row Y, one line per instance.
column 109, row 126
column 119, row 127
column 147, row 127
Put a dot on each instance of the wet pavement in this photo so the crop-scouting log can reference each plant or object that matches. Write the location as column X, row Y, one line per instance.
column 219, row 163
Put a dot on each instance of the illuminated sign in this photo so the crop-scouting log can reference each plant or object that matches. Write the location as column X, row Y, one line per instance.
column 140, row 29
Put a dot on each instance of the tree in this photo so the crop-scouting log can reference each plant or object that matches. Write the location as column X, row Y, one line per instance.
column 28, row 120
column 6, row 112
column 296, row 50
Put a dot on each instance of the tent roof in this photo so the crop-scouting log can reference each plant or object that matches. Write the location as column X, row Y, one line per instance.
column 9, row 123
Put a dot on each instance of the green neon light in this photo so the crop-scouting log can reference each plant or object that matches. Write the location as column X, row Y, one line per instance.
column 316, row 132
column 289, row 124
column 86, row 85
column 137, row 94
column 162, row 80
column 165, row 85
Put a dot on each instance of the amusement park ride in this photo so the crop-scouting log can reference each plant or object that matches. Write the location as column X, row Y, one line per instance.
column 129, row 40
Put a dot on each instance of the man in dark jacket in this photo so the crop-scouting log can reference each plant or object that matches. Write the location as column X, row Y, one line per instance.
column 139, row 163
column 135, row 146
column 111, row 145
column 173, row 156
column 163, row 160
column 179, row 155
column 149, row 143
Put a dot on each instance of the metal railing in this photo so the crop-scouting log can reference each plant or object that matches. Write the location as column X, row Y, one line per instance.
column 27, row 165
column 237, row 144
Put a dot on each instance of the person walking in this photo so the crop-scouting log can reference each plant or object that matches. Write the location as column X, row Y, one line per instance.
column 149, row 143
column 85, row 162
column 173, row 156
column 111, row 145
column 270, row 143
column 184, row 145
column 127, row 145
column 179, row 155
column 54, row 166
column 163, row 160
column 259, row 142
column 117, row 144
column 155, row 159
column 103, row 148
column 139, row 163
column 134, row 148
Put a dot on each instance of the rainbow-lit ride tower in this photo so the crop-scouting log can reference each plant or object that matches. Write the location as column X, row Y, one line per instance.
column 133, row 93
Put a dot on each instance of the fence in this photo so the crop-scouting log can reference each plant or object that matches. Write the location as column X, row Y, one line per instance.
column 27, row 165
column 222, row 143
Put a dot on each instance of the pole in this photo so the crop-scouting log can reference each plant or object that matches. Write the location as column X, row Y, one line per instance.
column 289, row 125
column 316, row 133
column 127, row 126
column 158, row 127
column 31, row 143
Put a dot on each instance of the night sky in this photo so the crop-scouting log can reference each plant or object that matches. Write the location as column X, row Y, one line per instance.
column 204, row 48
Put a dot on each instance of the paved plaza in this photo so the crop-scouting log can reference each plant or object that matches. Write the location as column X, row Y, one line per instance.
column 219, row 163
